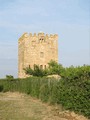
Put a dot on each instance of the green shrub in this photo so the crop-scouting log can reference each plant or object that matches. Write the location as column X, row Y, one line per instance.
column 1, row 88
column 72, row 91
column 54, row 68
column 9, row 77
column 37, row 71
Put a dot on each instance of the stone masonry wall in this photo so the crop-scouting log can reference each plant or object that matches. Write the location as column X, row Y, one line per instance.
column 36, row 49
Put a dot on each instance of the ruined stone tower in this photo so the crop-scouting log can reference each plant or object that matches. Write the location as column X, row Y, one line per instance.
column 36, row 49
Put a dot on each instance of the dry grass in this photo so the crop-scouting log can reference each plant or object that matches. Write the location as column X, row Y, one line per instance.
column 17, row 106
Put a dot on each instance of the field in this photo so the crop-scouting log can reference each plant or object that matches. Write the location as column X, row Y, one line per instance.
column 18, row 106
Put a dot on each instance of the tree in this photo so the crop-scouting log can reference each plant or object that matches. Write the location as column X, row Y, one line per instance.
column 9, row 77
column 53, row 68
column 37, row 71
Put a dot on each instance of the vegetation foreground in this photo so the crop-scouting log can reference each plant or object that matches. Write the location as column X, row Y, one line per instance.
column 72, row 91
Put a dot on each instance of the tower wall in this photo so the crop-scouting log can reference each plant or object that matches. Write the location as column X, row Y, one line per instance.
column 36, row 49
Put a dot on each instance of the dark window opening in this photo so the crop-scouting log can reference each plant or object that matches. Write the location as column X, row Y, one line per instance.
column 29, row 66
column 41, row 54
column 34, row 66
column 42, row 39
column 45, row 66
column 41, row 66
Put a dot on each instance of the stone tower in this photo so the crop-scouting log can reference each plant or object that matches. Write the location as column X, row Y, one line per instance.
column 36, row 49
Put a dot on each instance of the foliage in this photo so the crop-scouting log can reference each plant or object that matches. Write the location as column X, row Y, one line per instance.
column 36, row 71
column 9, row 77
column 72, row 90
column 53, row 68
column 1, row 88
column 72, row 72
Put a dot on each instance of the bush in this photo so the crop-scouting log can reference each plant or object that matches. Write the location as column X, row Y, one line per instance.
column 9, row 77
column 72, row 90
column 53, row 68
column 1, row 88
column 36, row 71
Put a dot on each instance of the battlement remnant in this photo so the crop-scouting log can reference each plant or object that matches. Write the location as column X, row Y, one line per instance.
column 37, row 49
column 37, row 35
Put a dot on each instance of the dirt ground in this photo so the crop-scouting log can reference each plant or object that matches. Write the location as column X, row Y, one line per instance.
column 17, row 106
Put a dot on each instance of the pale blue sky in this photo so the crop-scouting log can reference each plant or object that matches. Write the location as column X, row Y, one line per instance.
column 70, row 19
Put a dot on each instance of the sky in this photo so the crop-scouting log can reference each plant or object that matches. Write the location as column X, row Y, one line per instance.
column 70, row 19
